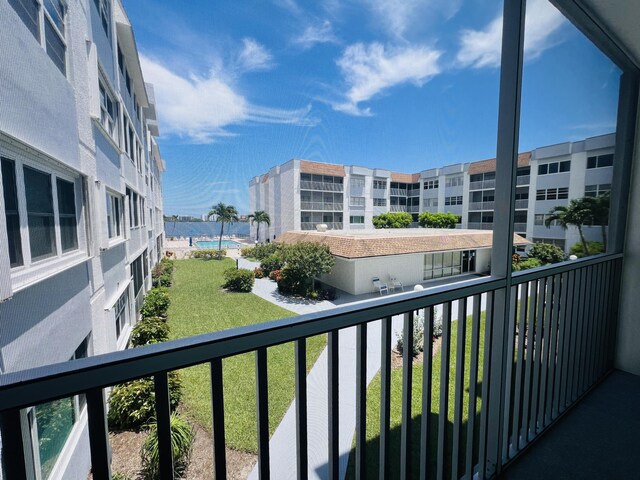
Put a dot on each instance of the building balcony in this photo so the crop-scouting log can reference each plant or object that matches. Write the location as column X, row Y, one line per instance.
column 312, row 225
column 321, row 206
column 399, row 192
column 481, row 205
column 482, row 185
column 523, row 179
column 413, row 208
column 522, row 204
column 399, row 208
column 413, row 192
column 321, row 186
column 480, row 226
column 519, row 227
column 379, row 193
column 525, row 370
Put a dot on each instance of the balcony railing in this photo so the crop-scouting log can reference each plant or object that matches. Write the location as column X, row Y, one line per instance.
column 321, row 206
column 398, row 208
column 522, row 204
column 322, row 186
column 312, row 225
column 481, row 185
column 521, row 371
column 480, row 225
column 481, row 205
column 523, row 179
column 413, row 192
column 519, row 227
column 399, row 192
column 413, row 208
column 379, row 193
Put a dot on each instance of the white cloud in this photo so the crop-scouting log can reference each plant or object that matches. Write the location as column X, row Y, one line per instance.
column 314, row 34
column 397, row 16
column 482, row 48
column 201, row 108
column 254, row 56
column 370, row 69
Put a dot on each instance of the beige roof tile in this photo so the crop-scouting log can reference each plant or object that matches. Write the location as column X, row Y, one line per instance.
column 322, row 168
column 484, row 166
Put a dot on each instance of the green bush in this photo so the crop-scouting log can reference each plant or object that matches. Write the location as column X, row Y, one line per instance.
column 156, row 302
column 437, row 220
column 271, row 263
column 162, row 273
column 240, row 280
column 121, row 476
column 594, row 249
column 304, row 262
column 182, row 437
column 529, row 263
column 247, row 252
column 209, row 254
column 264, row 250
column 392, row 220
column 547, row 253
column 149, row 330
column 132, row 404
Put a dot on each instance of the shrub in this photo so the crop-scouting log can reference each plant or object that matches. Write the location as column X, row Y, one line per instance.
column 132, row 404
column 529, row 263
column 258, row 273
column 121, row 476
column 156, row 302
column 437, row 324
column 437, row 220
column 182, row 437
column 271, row 263
column 209, row 254
column 418, row 337
column 161, row 274
column 594, row 249
column 149, row 330
column 547, row 253
column 262, row 251
column 247, row 252
column 392, row 220
column 240, row 280
column 276, row 275
column 304, row 262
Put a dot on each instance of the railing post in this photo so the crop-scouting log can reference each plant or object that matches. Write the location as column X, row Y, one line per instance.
column 98, row 435
column 13, row 453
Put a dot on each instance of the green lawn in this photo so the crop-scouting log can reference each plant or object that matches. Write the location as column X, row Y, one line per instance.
column 373, row 410
column 199, row 305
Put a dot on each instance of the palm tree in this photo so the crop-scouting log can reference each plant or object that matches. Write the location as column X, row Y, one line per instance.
column 174, row 219
column 223, row 214
column 598, row 208
column 258, row 217
column 576, row 213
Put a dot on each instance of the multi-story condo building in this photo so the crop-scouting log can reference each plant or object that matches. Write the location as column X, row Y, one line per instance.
column 300, row 194
column 80, row 202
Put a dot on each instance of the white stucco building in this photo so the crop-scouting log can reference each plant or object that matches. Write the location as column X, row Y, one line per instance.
column 80, row 201
column 300, row 194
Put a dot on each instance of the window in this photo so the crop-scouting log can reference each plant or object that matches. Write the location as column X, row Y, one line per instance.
column 357, row 182
column 538, row 219
column 67, row 213
column 597, row 190
column 380, row 184
column 446, row 264
column 356, row 201
column 430, row 202
column 379, row 202
column 108, row 112
column 11, row 212
column 120, row 60
column 40, row 215
column 27, row 10
column 105, row 14
column 453, row 200
column 134, row 208
column 114, row 215
column 356, row 219
column 554, row 167
column 600, row 161
column 430, row 184
column 137, row 275
column 553, row 193
column 455, row 181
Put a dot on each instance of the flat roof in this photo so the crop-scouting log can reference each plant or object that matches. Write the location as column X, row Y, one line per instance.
column 383, row 242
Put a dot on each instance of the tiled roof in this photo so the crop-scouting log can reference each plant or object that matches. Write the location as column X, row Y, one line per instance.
column 377, row 243
column 321, row 168
column 484, row 166
column 405, row 177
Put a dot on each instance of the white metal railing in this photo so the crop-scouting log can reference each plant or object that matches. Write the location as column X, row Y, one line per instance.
column 321, row 206
column 519, row 227
column 523, row 179
column 480, row 226
column 398, row 208
column 413, row 208
column 322, row 186
column 312, row 225
column 522, row 203
column 481, row 205
column 558, row 341
column 399, row 192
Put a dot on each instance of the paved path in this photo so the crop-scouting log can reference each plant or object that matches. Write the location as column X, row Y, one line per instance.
column 282, row 446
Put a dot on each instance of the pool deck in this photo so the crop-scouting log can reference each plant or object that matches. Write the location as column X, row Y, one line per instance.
column 180, row 247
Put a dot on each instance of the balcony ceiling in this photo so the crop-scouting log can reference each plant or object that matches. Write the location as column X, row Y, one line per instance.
column 620, row 19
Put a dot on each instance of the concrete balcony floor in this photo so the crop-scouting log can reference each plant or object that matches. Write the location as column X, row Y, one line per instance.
column 599, row 438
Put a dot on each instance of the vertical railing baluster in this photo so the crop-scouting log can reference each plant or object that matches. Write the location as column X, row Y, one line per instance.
column 593, row 321
column 459, row 388
column 385, row 395
column 561, row 322
column 586, row 315
column 539, row 324
column 533, row 300
column 517, row 400
column 473, row 384
column 334, row 419
column 427, row 383
column 577, row 331
column 301, row 408
column 512, row 318
column 217, row 410
column 163, row 425
column 443, row 415
column 604, row 314
column 484, row 414
column 551, row 372
column 361, row 401
column 590, row 320
column 569, row 334
column 98, row 435
column 405, row 429
column 582, row 330
column 262, row 399
column 602, row 293
column 544, row 359
column 13, row 453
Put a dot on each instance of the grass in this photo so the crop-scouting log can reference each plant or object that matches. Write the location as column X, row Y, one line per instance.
column 373, row 411
column 199, row 305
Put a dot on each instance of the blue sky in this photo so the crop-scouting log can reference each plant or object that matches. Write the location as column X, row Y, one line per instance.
column 399, row 84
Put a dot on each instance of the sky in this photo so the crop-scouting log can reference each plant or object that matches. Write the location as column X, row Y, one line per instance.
column 405, row 85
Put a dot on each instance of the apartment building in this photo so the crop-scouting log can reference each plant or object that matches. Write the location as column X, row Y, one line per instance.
column 300, row 194
column 81, row 201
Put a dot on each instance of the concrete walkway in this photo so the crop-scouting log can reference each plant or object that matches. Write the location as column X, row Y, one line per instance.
column 282, row 446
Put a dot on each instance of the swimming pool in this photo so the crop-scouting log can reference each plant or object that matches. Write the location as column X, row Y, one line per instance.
column 213, row 245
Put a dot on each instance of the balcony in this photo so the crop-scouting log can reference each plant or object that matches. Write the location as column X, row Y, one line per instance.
column 482, row 205
column 519, row 227
column 312, row 225
column 321, row 206
column 399, row 192
column 321, row 186
column 413, row 208
column 398, row 208
column 480, row 226
column 522, row 204
column 482, row 185
column 527, row 368
column 413, row 192
column 523, row 179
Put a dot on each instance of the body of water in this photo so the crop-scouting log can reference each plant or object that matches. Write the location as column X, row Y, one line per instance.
column 213, row 245
column 204, row 229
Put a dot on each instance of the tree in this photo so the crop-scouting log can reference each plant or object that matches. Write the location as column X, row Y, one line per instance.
column 594, row 248
column 598, row 208
column 546, row 253
column 438, row 220
column 392, row 220
column 223, row 214
column 577, row 213
column 303, row 262
column 258, row 217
